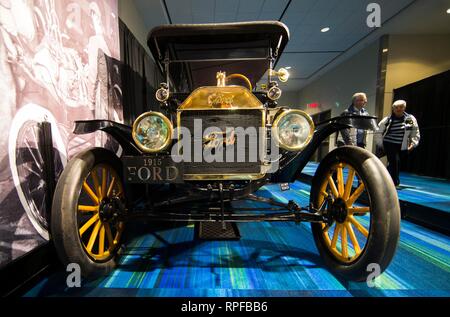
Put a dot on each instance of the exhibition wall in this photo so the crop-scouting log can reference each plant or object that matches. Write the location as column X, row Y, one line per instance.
column 289, row 99
column 334, row 90
column 59, row 62
column 132, row 19
column 428, row 100
column 140, row 76
column 412, row 58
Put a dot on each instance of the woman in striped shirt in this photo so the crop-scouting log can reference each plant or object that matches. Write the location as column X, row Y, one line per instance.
column 400, row 135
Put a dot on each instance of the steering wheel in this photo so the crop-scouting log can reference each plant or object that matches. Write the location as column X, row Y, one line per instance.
column 240, row 76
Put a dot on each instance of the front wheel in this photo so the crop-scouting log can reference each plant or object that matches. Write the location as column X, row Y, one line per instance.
column 88, row 206
column 353, row 189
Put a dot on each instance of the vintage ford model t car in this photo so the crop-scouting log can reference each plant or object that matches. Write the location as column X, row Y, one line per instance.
column 215, row 139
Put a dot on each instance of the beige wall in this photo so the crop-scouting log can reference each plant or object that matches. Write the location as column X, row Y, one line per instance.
column 335, row 89
column 132, row 19
column 412, row 58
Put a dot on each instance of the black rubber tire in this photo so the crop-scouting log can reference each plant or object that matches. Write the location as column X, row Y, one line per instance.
column 384, row 228
column 64, row 226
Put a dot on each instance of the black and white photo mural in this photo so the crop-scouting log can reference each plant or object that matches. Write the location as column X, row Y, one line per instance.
column 58, row 64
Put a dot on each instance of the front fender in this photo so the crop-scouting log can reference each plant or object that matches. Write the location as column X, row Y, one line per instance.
column 120, row 132
column 292, row 164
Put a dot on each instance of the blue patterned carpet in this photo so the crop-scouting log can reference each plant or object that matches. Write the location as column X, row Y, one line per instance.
column 271, row 259
column 421, row 190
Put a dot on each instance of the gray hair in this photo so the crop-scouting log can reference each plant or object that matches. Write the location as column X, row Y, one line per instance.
column 359, row 94
column 399, row 103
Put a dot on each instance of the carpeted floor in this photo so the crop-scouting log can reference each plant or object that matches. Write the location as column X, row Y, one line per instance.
column 271, row 259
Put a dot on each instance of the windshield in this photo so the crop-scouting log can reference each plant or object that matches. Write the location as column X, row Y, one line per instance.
column 185, row 77
column 194, row 66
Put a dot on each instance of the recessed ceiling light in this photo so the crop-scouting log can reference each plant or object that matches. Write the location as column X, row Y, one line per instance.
column 385, row 50
column 448, row 11
column 324, row 30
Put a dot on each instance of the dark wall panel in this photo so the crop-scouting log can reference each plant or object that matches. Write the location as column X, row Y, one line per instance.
column 429, row 101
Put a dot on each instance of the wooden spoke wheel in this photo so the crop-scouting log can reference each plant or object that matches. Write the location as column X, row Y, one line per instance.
column 345, row 235
column 88, row 211
column 352, row 188
column 98, row 210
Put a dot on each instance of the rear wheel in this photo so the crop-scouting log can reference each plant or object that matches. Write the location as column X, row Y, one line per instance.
column 355, row 192
column 88, row 206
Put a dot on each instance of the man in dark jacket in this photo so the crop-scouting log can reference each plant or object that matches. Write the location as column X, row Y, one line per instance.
column 356, row 137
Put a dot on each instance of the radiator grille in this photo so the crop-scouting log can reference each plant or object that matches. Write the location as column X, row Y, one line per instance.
column 220, row 121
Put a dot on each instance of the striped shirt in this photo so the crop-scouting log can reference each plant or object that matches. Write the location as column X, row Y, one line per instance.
column 396, row 131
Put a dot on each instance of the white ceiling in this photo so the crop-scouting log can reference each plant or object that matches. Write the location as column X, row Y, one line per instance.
column 309, row 51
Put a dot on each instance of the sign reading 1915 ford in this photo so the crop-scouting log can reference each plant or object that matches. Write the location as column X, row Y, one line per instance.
column 152, row 170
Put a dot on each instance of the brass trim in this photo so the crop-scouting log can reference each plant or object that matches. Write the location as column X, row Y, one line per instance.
column 274, row 87
column 166, row 143
column 243, row 77
column 224, row 109
column 221, row 79
column 198, row 99
column 236, row 176
column 275, row 129
column 282, row 74
column 162, row 99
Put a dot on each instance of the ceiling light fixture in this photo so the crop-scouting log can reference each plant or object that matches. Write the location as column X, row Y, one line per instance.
column 324, row 30
column 448, row 11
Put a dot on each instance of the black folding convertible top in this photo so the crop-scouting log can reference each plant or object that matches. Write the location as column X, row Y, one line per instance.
column 273, row 33
column 243, row 46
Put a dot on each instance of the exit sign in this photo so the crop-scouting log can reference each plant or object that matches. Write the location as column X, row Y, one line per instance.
column 313, row 105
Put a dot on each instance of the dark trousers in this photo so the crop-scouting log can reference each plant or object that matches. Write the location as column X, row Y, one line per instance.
column 340, row 143
column 394, row 155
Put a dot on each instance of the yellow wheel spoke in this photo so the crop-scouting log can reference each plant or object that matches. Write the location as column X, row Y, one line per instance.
column 358, row 226
column 340, row 180
column 349, row 184
column 111, row 186
column 119, row 233
column 88, row 224
column 358, row 210
column 338, row 186
column 96, row 183
column 87, row 208
column 104, row 179
column 93, row 237
column 324, row 194
column 352, row 235
column 109, row 235
column 91, row 194
column 101, row 240
column 344, row 242
column 333, row 187
column 355, row 195
column 337, row 230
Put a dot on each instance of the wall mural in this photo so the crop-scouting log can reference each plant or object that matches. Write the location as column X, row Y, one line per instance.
column 58, row 63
